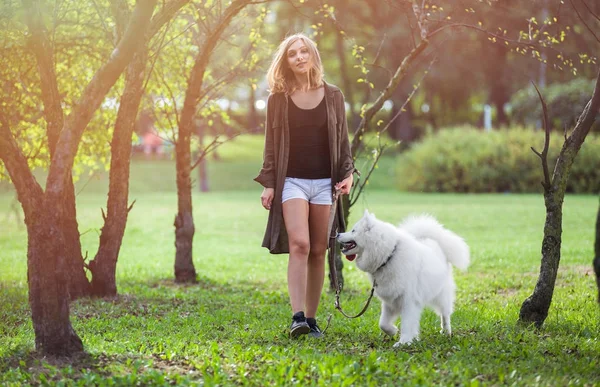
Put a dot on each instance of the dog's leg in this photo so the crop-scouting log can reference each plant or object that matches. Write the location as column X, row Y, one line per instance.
column 446, row 324
column 389, row 314
column 409, row 327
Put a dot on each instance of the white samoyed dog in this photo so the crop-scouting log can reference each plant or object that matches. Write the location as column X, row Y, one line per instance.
column 409, row 267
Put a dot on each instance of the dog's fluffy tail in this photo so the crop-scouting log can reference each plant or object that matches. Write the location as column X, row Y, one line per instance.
column 453, row 246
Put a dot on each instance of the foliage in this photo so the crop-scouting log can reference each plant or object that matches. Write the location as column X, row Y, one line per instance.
column 565, row 103
column 467, row 160
column 81, row 41
column 231, row 329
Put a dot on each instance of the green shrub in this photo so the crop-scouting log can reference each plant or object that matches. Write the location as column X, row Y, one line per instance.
column 468, row 160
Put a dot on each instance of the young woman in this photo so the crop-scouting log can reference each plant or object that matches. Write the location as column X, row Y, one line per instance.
column 306, row 156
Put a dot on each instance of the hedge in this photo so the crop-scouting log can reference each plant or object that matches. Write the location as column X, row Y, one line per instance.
column 469, row 160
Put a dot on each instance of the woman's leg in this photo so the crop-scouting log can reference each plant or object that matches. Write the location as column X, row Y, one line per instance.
column 318, row 220
column 295, row 216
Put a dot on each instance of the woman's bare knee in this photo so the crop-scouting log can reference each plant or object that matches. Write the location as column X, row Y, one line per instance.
column 299, row 247
column 317, row 253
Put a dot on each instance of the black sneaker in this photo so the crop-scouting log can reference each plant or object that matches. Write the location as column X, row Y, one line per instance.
column 299, row 325
column 315, row 331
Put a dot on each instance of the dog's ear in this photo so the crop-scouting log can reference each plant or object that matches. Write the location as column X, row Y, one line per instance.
column 366, row 213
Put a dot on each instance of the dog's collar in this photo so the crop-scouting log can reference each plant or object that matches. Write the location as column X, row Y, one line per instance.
column 387, row 260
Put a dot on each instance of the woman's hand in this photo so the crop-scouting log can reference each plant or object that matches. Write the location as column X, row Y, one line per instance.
column 345, row 185
column 266, row 197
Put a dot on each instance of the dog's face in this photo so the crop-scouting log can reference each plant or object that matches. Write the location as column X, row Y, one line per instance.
column 354, row 242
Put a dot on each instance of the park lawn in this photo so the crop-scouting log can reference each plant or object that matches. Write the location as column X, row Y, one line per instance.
column 231, row 328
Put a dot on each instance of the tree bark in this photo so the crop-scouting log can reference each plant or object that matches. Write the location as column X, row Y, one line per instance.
column 344, row 202
column 48, row 252
column 202, row 170
column 47, row 270
column 597, row 254
column 48, row 278
column 184, row 220
column 535, row 308
column 104, row 265
column 54, row 116
column 79, row 285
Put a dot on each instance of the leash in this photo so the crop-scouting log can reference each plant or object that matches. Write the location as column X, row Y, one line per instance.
column 332, row 267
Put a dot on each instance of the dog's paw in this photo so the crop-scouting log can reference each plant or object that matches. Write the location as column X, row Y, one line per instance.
column 389, row 330
column 405, row 340
column 400, row 344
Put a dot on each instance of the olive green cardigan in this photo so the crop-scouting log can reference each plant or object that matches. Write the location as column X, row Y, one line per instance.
column 276, row 156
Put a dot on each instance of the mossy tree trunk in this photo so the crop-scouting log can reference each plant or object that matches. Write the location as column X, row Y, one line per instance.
column 597, row 253
column 535, row 308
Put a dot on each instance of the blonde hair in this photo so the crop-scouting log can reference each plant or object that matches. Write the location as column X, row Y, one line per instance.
column 281, row 78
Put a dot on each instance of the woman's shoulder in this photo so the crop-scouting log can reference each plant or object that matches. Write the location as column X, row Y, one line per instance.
column 333, row 90
column 275, row 97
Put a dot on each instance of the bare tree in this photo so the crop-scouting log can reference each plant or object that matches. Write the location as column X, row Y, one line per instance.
column 535, row 308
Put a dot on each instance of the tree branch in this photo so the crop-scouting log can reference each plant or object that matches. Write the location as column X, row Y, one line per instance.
column 590, row 11
column 587, row 118
column 387, row 92
column 42, row 49
column 583, row 21
column 547, row 184
column 28, row 190
column 165, row 14
column 121, row 13
column 94, row 93
column 194, row 88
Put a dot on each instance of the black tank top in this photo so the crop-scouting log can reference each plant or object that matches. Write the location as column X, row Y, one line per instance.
column 309, row 142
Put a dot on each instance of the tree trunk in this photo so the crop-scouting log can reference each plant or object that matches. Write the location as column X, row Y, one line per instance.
column 497, row 82
column 104, row 265
column 48, row 279
column 79, row 285
column 184, row 220
column 48, row 271
column 202, row 172
column 535, row 308
column 344, row 202
column 54, row 115
column 597, row 254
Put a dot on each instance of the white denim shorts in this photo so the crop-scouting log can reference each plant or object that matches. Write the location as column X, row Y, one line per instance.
column 314, row 191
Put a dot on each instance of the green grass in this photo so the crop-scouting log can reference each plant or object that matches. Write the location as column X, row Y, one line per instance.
column 231, row 328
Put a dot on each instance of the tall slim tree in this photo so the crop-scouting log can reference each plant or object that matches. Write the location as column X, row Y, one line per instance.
column 535, row 308
column 184, row 220
column 103, row 266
